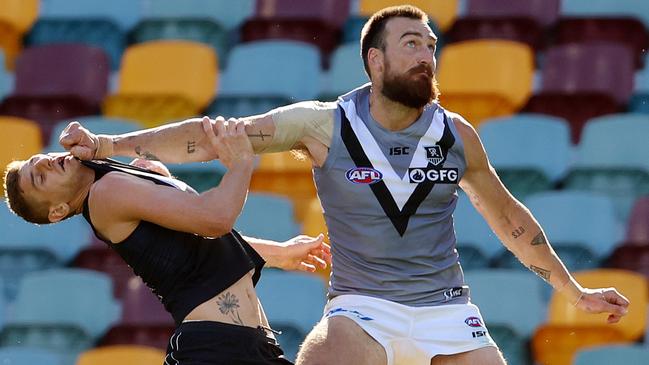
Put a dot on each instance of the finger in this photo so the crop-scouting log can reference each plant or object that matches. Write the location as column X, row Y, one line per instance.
column 209, row 130
column 612, row 318
column 614, row 297
column 326, row 247
column 240, row 128
column 69, row 135
column 81, row 152
column 318, row 260
column 220, row 128
column 306, row 267
column 232, row 126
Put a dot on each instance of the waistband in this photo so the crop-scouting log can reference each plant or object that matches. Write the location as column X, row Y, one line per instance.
column 439, row 297
column 213, row 326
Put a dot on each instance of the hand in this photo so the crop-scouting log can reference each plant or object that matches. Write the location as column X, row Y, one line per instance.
column 603, row 300
column 304, row 253
column 79, row 141
column 230, row 141
column 155, row 166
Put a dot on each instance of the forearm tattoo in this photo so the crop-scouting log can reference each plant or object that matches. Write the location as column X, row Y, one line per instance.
column 145, row 154
column 261, row 135
column 229, row 305
column 543, row 273
column 191, row 147
column 518, row 232
column 539, row 239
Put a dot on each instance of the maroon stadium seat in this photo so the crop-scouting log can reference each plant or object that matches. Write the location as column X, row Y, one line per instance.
column 56, row 82
column 315, row 22
column 638, row 227
column 631, row 257
column 523, row 21
column 624, row 30
column 144, row 320
column 582, row 81
column 99, row 257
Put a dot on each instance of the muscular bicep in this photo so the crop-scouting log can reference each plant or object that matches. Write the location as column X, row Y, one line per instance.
column 119, row 199
column 289, row 127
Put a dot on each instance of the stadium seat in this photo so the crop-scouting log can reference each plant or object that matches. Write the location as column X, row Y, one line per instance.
column 606, row 355
column 509, row 316
column 582, row 81
column 243, row 106
column 29, row 356
column 346, row 72
column 560, row 212
column 144, row 320
column 443, row 12
column 617, row 167
column 162, row 81
column 267, row 216
column 123, row 355
column 313, row 225
column 6, row 78
column 638, row 225
column 521, row 21
column 477, row 244
column 485, row 78
column 229, row 14
column 201, row 176
column 283, row 174
column 16, row 18
column 272, row 69
column 62, row 310
column 25, row 248
column 99, row 257
column 518, row 148
column 293, row 302
column 55, row 82
column 623, row 21
column 631, row 257
column 19, row 140
column 569, row 329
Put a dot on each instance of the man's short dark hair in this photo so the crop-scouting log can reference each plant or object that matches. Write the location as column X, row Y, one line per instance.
column 16, row 200
column 373, row 33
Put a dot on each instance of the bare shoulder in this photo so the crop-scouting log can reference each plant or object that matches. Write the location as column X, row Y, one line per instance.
column 464, row 128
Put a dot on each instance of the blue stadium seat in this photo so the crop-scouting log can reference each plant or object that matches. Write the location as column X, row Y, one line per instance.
column 511, row 315
column 199, row 175
column 581, row 226
column 293, row 302
column 519, row 149
column 640, row 100
column 476, row 242
column 606, row 8
column 6, row 78
column 227, row 13
column 620, row 354
column 95, row 123
column 63, row 310
column 346, row 72
column 25, row 247
column 244, row 105
column 29, row 356
column 124, row 13
column 272, row 68
column 612, row 159
column 267, row 216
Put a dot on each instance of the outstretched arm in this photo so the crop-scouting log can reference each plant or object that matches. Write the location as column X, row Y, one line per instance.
column 281, row 129
column 521, row 233
column 299, row 253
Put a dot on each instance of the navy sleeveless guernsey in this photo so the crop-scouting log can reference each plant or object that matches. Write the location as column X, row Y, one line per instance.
column 182, row 269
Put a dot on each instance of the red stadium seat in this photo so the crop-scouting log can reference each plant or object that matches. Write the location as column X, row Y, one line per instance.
column 631, row 257
column 638, row 226
column 100, row 257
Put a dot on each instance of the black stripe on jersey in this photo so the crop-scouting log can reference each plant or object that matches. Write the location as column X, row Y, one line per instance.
column 399, row 218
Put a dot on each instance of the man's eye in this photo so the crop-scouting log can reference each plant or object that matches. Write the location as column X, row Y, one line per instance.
column 410, row 44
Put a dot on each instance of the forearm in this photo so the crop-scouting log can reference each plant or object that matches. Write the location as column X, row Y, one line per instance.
column 171, row 143
column 524, row 237
column 270, row 250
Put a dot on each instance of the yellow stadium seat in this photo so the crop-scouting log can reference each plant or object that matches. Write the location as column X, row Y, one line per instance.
column 442, row 12
column 160, row 81
column 123, row 355
column 632, row 285
column 314, row 224
column 485, row 78
column 19, row 140
column 558, row 345
column 283, row 174
column 16, row 18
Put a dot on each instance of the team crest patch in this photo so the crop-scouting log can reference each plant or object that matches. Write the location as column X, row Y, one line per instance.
column 363, row 175
column 434, row 154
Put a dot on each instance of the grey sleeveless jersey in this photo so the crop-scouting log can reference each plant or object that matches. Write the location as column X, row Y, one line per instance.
column 388, row 199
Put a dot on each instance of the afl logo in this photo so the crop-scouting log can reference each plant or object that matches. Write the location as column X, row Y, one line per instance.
column 363, row 175
column 473, row 322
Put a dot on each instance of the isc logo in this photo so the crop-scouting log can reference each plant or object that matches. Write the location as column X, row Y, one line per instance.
column 363, row 175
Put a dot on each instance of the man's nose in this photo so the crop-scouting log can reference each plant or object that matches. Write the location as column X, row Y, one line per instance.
column 43, row 163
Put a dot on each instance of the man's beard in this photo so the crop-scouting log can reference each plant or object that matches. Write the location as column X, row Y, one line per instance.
column 412, row 89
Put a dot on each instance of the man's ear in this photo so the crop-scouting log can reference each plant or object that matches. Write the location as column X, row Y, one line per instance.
column 58, row 212
column 375, row 59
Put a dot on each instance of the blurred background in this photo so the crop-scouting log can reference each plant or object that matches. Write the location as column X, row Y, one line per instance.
column 558, row 90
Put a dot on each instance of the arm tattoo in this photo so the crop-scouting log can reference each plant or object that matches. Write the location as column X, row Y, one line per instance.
column 191, row 147
column 518, row 232
column 261, row 135
column 539, row 239
column 146, row 154
column 229, row 305
column 543, row 273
